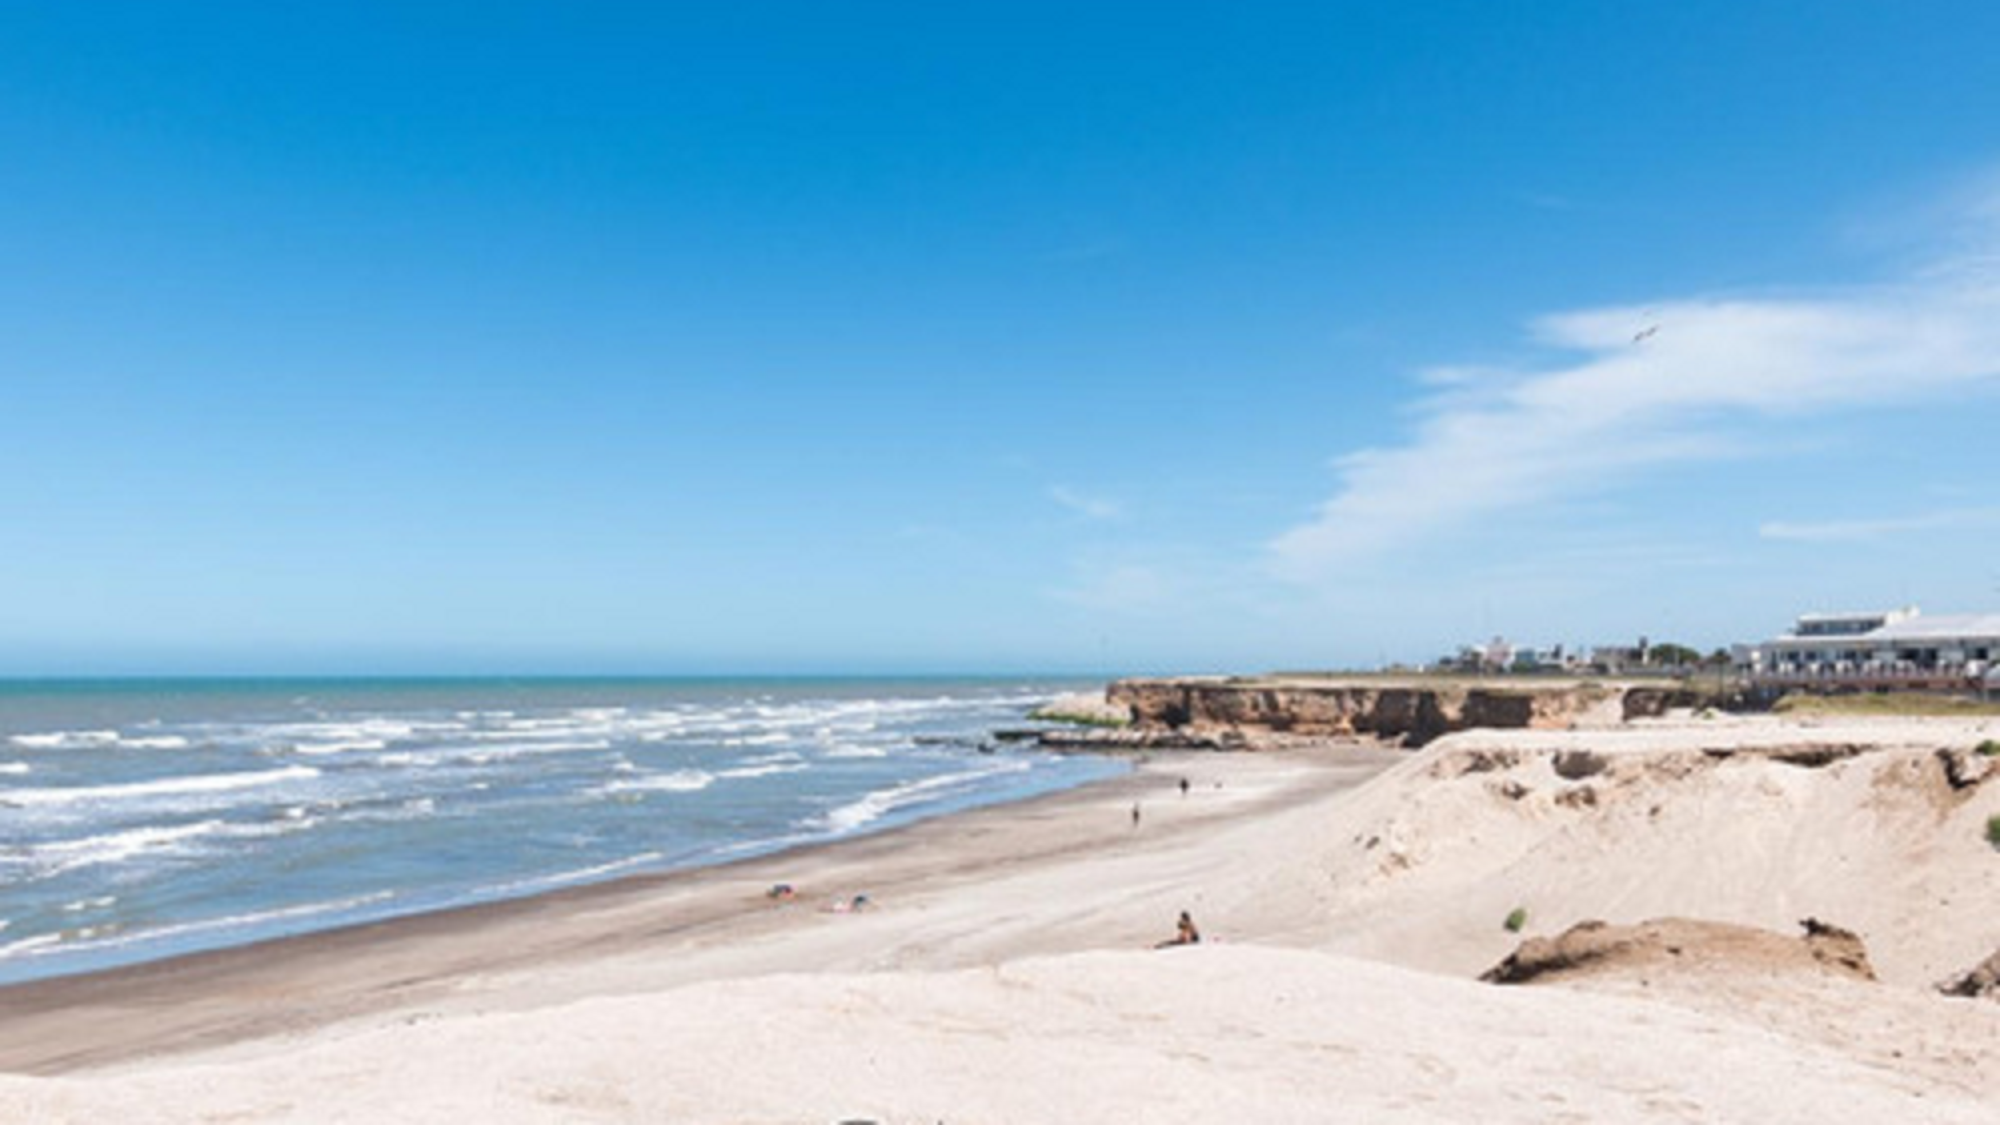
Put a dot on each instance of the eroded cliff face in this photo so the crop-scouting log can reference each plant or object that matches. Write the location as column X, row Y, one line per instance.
column 1413, row 712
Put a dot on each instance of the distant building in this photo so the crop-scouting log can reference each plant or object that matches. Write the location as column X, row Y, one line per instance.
column 1501, row 655
column 1621, row 658
column 1888, row 649
column 1495, row 655
column 1539, row 660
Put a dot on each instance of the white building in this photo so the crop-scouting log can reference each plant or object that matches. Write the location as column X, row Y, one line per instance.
column 1895, row 648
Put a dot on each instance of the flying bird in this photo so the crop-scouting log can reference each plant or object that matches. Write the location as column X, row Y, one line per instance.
column 1646, row 334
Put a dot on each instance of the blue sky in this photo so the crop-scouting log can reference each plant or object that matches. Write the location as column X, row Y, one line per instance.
column 872, row 337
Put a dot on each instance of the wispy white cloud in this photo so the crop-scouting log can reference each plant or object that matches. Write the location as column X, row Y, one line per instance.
column 1087, row 506
column 1655, row 385
column 1862, row 530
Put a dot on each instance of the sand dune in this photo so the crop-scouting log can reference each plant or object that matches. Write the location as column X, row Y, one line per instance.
column 1729, row 820
column 1201, row 1035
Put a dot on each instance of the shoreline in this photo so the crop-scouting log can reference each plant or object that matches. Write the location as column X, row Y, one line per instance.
column 218, row 998
column 558, row 884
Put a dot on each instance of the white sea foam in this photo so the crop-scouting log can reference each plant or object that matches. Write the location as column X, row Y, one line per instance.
column 392, row 810
column 487, row 753
column 567, row 878
column 765, row 769
column 765, row 844
column 65, row 739
column 83, row 904
column 30, row 946
column 116, row 847
column 360, row 734
column 503, row 751
column 93, row 739
column 556, row 732
column 680, row 781
column 770, row 738
column 43, row 944
column 314, row 749
column 882, row 802
column 850, row 750
column 62, row 855
column 163, row 787
column 563, row 723
column 14, row 769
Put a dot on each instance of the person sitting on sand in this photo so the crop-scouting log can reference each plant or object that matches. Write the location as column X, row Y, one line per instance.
column 1184, row 933
column 783, row 892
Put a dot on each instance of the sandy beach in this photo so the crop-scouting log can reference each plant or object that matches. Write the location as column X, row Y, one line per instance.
column 1003, row 969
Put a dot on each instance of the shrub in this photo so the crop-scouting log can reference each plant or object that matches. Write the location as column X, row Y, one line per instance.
column 1990, row 748
column 1993, row 830
column 1518, row 917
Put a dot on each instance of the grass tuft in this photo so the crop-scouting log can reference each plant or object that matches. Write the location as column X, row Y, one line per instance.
column 1518, row 917
column 1884, row 703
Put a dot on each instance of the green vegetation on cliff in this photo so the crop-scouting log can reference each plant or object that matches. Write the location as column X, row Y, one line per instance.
column 1886, row 703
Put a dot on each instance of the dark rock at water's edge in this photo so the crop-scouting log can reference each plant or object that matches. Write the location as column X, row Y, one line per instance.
column 1086, row 739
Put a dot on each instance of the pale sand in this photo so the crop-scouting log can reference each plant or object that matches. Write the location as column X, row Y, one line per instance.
column 1005, row 974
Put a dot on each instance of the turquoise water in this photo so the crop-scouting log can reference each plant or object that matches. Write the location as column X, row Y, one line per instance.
column 140, row 819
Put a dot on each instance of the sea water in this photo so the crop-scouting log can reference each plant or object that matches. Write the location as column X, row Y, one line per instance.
column 144, row 819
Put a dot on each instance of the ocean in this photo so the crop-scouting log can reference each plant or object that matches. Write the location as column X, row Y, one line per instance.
column 142, row 819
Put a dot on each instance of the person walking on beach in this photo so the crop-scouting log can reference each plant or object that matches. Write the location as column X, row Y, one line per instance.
column 1184, row 787
column 1135, row 814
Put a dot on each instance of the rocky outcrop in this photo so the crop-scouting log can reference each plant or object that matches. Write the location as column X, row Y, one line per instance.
column 1982, row 979
column 1654, row 702
column 1413, row 711
column 1090, row 709
column 1597, row 949
column 1968, row 769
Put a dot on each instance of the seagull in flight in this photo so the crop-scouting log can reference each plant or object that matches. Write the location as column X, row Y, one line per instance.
column 1646, row 334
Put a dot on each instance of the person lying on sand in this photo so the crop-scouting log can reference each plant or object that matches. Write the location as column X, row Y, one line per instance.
column 782, row 892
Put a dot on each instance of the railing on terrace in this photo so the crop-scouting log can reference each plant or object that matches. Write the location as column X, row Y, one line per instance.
column 1875, row 675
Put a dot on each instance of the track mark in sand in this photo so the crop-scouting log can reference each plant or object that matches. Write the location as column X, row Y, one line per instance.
column 592, row 1098
column 1435, row 1068
column 272, row 1112
column 1685, row 1109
